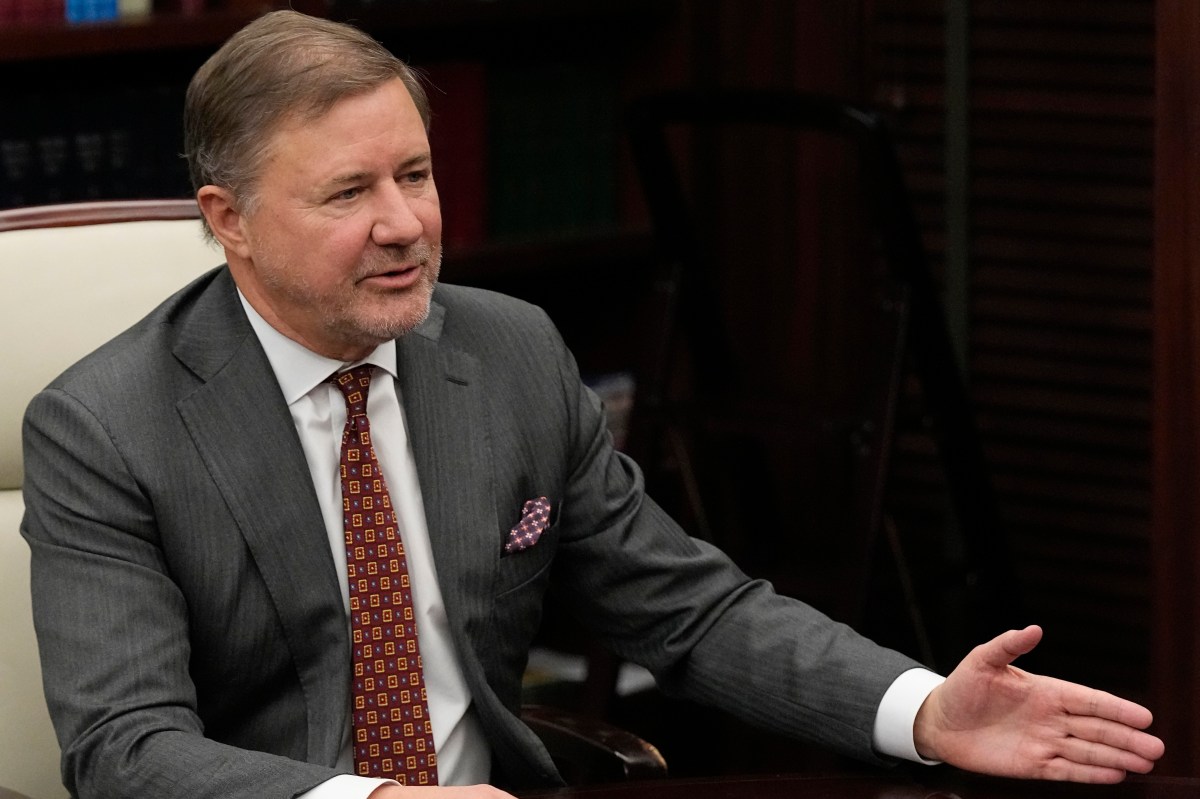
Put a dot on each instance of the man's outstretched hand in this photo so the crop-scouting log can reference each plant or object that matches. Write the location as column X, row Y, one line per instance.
column 993, row 718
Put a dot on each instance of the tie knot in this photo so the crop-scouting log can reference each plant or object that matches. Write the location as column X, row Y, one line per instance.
column 354, row 385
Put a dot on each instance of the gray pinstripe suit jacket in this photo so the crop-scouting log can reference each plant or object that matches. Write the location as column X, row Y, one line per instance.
column 196, row 646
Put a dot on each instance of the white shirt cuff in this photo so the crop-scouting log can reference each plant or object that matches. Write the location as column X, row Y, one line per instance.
column 345, row 786
column 893, row 733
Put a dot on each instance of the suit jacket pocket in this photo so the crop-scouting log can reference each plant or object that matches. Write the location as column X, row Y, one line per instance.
column 528, row 568
column 522, row 581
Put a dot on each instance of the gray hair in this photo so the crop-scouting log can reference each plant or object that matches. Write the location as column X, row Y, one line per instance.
column 284, row 65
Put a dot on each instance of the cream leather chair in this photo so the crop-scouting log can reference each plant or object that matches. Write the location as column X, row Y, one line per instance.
column 71, row 277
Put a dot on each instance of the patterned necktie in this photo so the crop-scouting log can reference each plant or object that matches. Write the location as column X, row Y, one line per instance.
column 393, row 737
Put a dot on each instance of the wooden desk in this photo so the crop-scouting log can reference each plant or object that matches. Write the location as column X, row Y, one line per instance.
column 937, row 784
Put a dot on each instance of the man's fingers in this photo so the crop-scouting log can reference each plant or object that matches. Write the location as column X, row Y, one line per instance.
column 1092, row 754
column 1091, row 749
column 1088, row 702
column 1116, row 736
column 1065, row 770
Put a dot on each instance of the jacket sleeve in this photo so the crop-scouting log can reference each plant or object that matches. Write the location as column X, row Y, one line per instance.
column 681, row 608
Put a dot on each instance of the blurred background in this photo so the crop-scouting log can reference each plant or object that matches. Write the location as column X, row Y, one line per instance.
column 770, row 372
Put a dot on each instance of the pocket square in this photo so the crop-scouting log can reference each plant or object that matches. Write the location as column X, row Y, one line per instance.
column 535, row 515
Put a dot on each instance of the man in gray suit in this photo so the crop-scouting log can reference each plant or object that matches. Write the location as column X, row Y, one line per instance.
column 189, row 513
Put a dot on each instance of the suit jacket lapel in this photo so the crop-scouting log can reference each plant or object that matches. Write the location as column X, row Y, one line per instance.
column 443, row 405
column 237, row 414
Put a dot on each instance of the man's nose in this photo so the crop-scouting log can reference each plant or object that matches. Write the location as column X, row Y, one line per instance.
column 396, row 220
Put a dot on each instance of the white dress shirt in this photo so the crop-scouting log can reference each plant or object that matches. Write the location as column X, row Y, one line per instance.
column 319, row 413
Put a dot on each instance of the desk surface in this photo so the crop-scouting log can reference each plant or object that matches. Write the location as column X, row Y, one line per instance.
column 935, row 785
column 938, row 784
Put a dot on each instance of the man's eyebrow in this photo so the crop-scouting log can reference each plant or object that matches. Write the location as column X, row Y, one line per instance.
column 350, row 178
column 420, row 159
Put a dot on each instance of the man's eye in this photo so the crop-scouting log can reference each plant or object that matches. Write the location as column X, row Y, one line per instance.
column 418, row 176
column 347, row 194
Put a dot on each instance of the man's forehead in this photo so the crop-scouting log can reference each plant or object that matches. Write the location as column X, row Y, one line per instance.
column 304, row 122
column 313, row 157
column 312, row 110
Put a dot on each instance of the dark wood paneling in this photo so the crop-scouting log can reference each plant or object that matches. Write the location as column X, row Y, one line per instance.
column 1042, row 73
column 1177, row 386
column 1061, row 109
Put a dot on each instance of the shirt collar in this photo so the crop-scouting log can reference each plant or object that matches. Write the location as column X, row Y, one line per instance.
column 297, row 368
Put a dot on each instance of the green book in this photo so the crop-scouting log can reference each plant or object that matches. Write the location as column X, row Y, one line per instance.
column 552, row 151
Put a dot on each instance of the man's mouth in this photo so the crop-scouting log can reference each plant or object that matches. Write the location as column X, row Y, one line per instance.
column 399, row 277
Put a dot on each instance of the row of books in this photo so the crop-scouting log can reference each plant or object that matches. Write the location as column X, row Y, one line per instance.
column 519, row 152
column 523, row 152
column 24, row 12
column 117, row 143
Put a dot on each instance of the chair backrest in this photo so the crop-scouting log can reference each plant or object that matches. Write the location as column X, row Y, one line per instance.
column 71, row 277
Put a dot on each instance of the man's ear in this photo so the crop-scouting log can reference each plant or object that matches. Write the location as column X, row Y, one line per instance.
column 224, row 219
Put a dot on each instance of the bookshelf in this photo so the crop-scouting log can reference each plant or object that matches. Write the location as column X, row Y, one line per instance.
column 98, row 105
column 157, row 33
